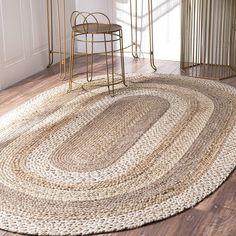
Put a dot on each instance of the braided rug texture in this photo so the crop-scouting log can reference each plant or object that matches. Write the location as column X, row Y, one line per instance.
column 84, row 162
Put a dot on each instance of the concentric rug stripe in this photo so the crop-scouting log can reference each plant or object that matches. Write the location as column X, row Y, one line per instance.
column 83, row 163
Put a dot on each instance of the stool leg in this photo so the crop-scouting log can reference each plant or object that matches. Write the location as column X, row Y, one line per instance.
column 50, row 32
column 151, row 38
column 87, row 59
column 134, row 28
column 122, row 56
column 112, row 63
column 71, row 60
column 92, row 58
column 107, row 64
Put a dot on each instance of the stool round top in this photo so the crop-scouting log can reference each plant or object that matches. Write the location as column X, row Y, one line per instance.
column 96, row 28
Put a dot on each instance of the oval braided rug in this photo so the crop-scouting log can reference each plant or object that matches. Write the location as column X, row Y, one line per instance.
column 84, row 162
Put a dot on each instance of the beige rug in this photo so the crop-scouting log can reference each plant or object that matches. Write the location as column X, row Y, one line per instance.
column 84, row 162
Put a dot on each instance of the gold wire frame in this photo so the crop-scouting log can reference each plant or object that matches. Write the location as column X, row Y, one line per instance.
column 208, row 38
column 61, row 29
column 89, row 28
column 134, row 30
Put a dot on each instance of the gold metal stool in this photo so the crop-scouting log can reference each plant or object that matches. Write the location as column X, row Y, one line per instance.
column 89, row 27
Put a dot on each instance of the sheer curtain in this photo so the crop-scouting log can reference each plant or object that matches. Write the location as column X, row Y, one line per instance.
column 208, row 37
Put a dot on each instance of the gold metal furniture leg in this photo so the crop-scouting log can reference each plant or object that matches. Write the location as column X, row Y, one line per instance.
column 89, row 73
column 134, row 31
column 50, row 32
column 59, row 34
column 63, row 62
column 87, row 57
column 112, row 68
column 134, row 39
column 150, row 17
column 107, row 64
column 92, row 48
column 50, row 35
column 62, row 53
column 71, row 60
column 122, row 56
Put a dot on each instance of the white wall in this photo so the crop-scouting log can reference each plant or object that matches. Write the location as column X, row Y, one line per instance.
column 23, row 32
column 166, row 26
column 93, row 5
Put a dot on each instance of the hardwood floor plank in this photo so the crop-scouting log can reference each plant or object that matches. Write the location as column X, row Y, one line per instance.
column 227, row 200
column 220, row 222
column 233, row 177
column 2, row 233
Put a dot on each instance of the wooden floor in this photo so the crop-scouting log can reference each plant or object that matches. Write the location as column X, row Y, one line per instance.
column 215, row 216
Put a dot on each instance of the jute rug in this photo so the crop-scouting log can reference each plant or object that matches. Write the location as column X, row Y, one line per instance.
column 84, row 162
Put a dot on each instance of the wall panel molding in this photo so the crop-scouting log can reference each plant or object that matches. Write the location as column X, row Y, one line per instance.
column 12, row 32
column 23, row 51
column 38, row 25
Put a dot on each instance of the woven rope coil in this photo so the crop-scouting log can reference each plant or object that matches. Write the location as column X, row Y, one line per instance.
column 83, row 162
